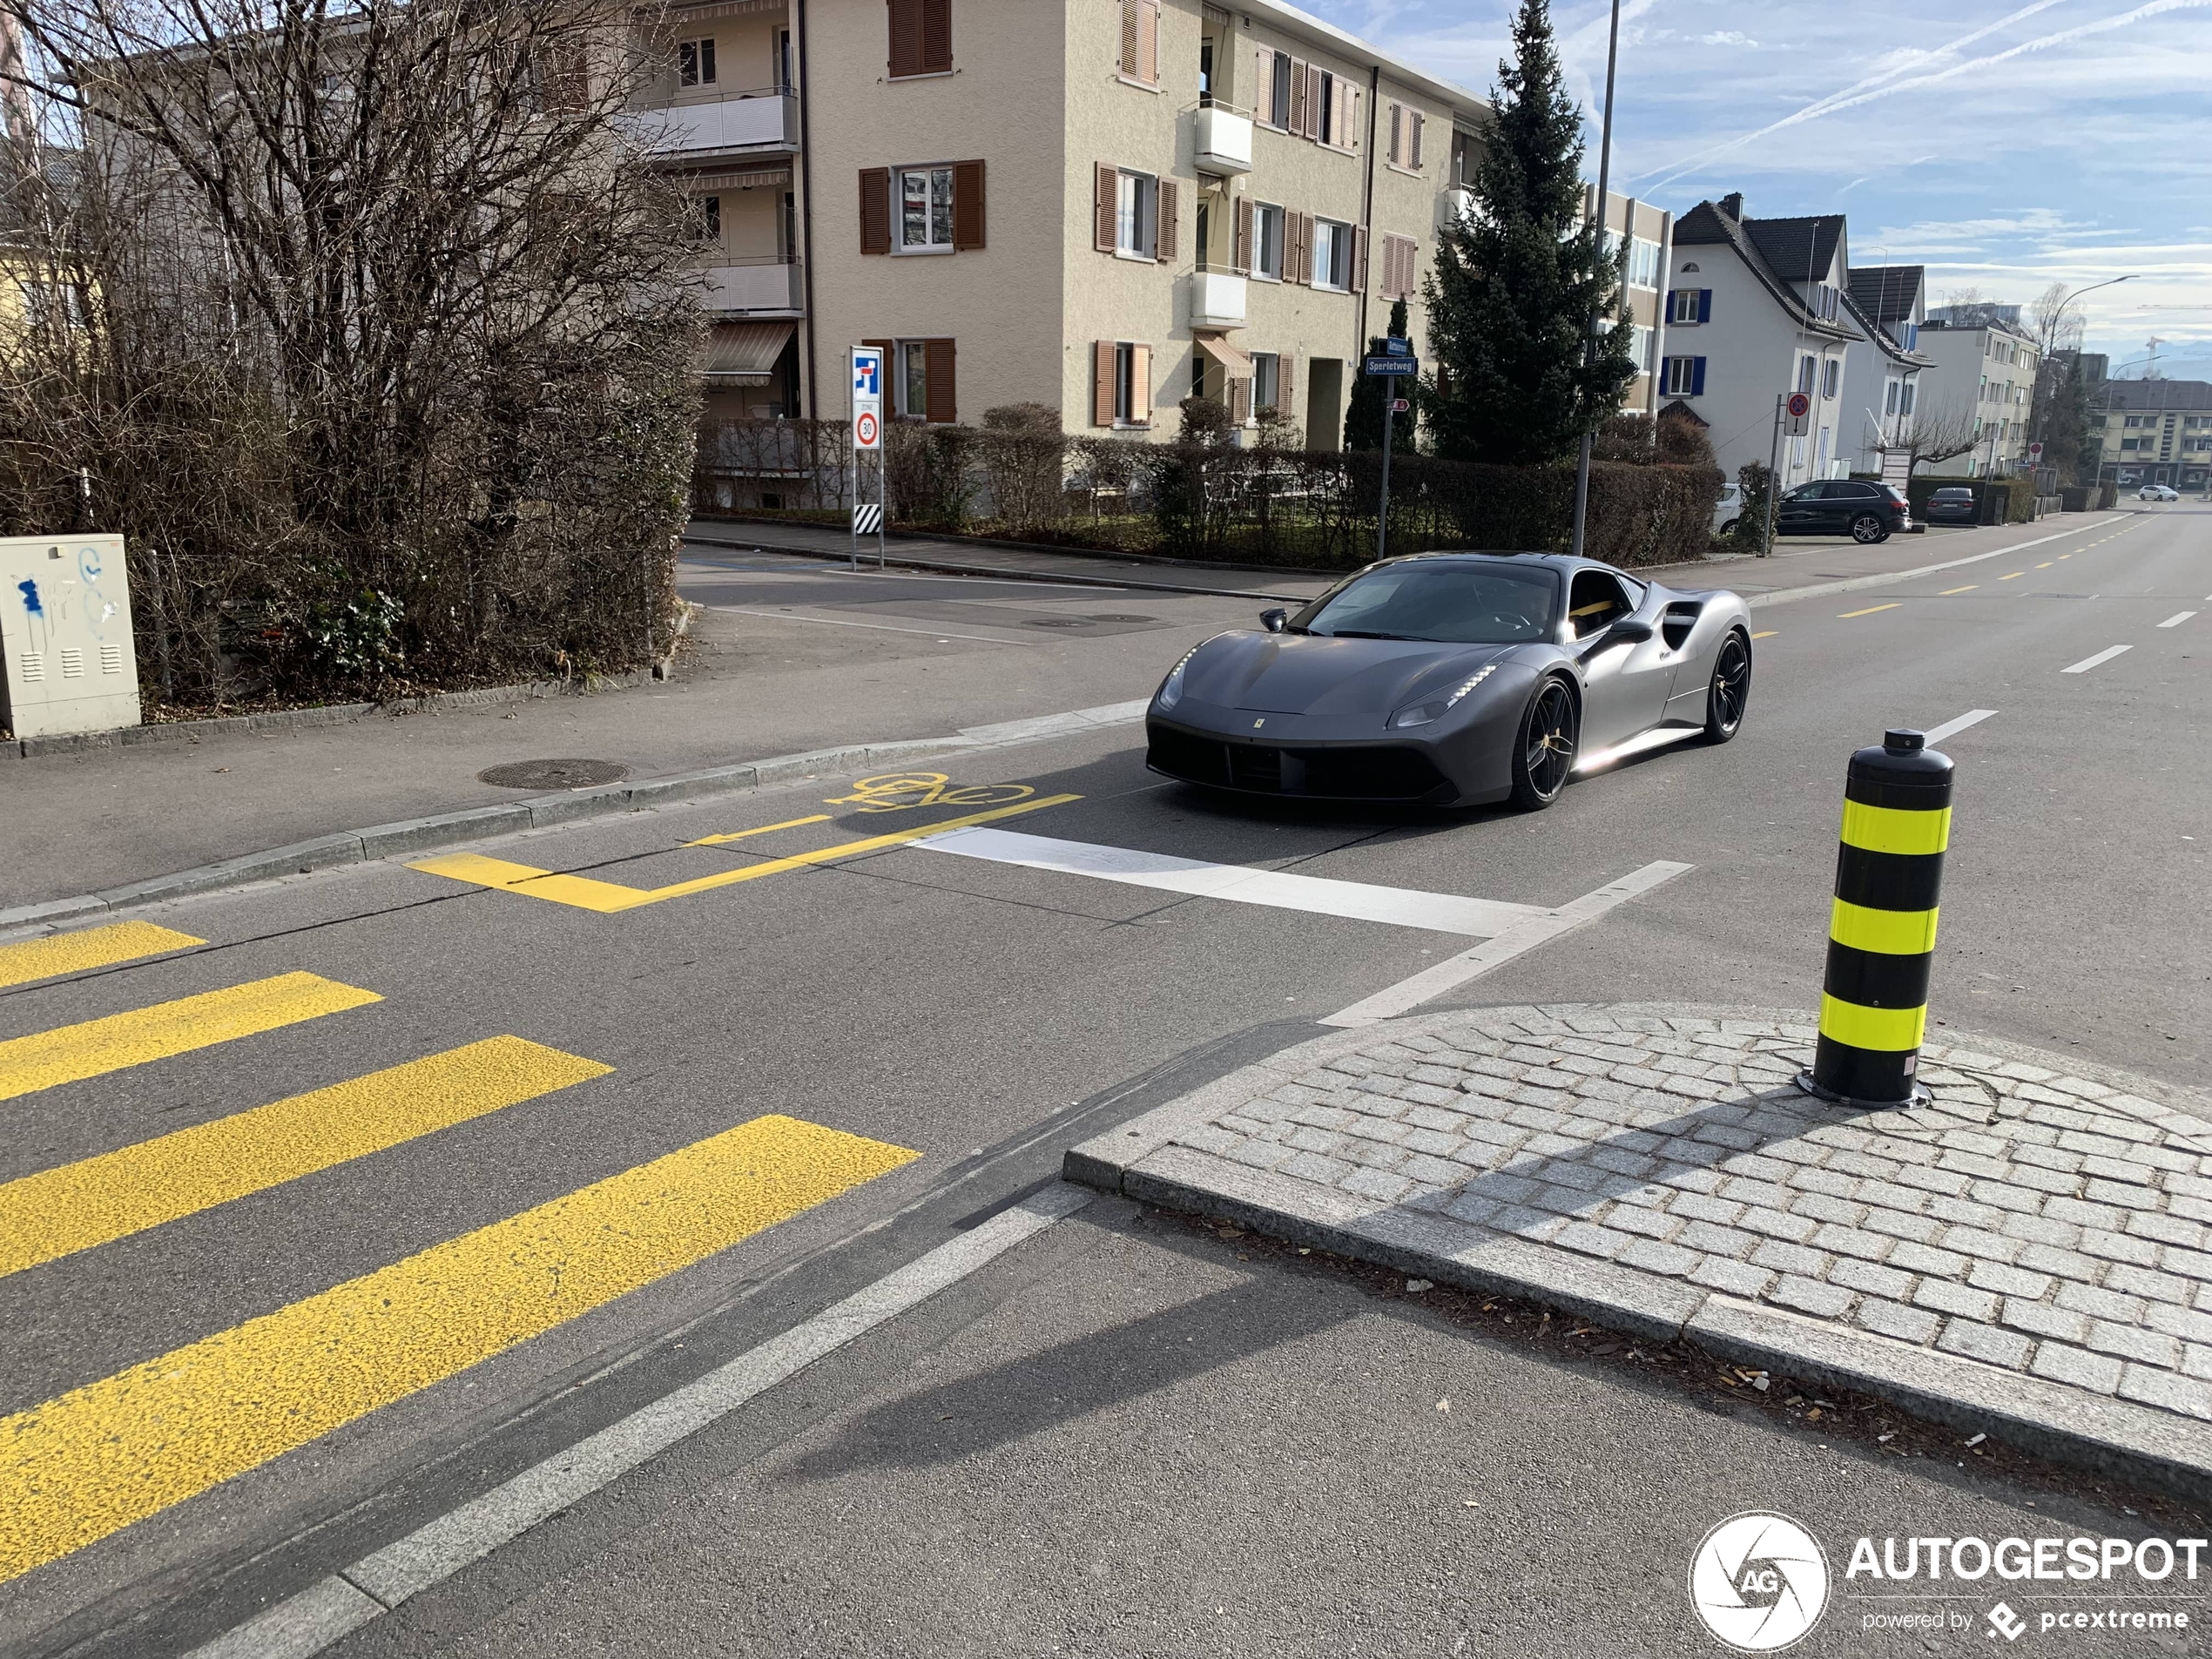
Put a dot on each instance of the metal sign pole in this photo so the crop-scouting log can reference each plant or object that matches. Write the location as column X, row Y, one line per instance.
column 1773, row 464
column 883, row 500
column 852, row 443
column 1390, row 420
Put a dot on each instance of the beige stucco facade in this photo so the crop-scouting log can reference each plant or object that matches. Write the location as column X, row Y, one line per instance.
column 1044, row 94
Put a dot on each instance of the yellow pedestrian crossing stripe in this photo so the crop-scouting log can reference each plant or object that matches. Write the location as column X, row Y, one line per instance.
column 95, row 1047
column 97, row 1200
column 586, row 893
column 93, row 1461
column 93, row 948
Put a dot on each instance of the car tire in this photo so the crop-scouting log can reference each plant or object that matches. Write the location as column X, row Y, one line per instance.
column 1544, row 745
column 1728, row 529
column 1728, row 694
column 1868, row 529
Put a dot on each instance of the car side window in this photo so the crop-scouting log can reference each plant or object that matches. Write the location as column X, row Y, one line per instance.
column 1596, row 602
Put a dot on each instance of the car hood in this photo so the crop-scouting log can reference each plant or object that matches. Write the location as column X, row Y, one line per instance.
column 1310, row 674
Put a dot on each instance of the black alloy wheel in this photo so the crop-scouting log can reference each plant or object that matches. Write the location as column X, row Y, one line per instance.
column 1868, row 529
column 1545, row 753
column 1730, row 691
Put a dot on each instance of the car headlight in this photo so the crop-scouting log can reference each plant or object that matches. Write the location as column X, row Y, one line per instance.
column 1171, row 691
column 1437, row 707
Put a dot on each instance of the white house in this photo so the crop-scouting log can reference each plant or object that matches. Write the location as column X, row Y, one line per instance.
column 1885, row 304
column 1984, row 372
column 1756, row 310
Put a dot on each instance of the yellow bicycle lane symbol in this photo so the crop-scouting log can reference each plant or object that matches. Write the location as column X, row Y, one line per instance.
column 896, row 792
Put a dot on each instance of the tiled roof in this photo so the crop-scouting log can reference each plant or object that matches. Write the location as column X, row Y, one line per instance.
column 1886, row 293
column 1800, row 250
column 1706, row 224
column 2159, row 394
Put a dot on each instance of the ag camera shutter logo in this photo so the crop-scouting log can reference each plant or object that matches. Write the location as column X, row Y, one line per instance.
column 1759, row 1582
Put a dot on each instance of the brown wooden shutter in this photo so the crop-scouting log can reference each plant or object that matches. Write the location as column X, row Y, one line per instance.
column 1297, row 122
column 1240, row 400
column 1352, row 130
column 938, row 368
column 1140, row 385
column 1127, row 61
column 1104, row 203
column 1240, row 239
column 967, row 204
column 875, row 210
column 1313, row 101
column 1304, row 267
column 1396, row 113
column 1416, row 163
column 1262, row 98
column 906, row 37
column 1359, row 283
column 1285, row 393
column 1164, row 241
column 936, row 36
column 1148, row 40
column 1101, row 382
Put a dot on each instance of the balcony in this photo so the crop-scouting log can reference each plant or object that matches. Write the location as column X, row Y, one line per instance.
column 1221, row 141
column 764, row 120
column 1452, row 205
column 767, row 287
column 1216, row 299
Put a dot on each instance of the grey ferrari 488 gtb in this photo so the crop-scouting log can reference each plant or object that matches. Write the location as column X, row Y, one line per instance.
column 1455, row 678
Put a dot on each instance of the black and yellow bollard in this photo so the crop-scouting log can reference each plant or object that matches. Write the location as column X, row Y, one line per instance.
column 1882, row 931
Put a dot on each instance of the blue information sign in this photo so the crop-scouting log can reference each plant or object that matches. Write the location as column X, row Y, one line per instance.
column 1403, row 368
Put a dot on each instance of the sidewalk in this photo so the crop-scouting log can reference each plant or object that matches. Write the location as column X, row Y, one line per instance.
column 2029, row 1256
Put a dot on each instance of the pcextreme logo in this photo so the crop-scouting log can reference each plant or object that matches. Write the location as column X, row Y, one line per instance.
column 1759, row 1582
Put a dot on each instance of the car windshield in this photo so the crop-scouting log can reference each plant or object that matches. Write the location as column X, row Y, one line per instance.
column 1459, row 604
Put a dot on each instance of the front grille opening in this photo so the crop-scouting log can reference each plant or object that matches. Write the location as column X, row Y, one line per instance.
column 1255, row 768
column 1369, row 774
column 1198, row 760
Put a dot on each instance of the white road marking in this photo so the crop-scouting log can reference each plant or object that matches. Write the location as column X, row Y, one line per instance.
column 2177, row 618
column 345, row 1601
column 1823, row 589
column 1443, row 912
column 2088, row 662
column 1952, row 728
column 880, row 627
column 1537, row 930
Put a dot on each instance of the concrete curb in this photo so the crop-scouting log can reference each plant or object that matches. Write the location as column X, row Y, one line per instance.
column 416, row 835
column 946, row 567
column 1139, row 1160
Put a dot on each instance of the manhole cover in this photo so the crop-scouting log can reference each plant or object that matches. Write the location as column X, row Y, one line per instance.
column 1118, row 615
column 1060, row 622
column 554, row 774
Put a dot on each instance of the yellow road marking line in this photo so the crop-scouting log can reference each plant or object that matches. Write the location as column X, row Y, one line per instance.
column 97, row 1200
column 1948, row 592
column 93, row 1461
column 70, row 1053
column 94, row 947
column 1871, row 609
column 1896, row 829
column 738, row 835
column 2008, row 578
column 2045, row 565
column 1769, row 634
column 607, row 897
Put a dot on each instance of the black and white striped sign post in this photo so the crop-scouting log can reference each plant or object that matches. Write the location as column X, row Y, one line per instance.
column 865, row 386
column 867, row 519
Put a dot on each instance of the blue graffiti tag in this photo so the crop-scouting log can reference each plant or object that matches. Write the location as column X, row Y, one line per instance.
column 30, row 590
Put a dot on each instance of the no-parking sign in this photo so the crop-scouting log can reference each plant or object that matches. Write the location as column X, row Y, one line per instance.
column 1799, row 406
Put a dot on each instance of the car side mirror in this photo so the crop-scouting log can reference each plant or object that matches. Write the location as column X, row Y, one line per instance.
column 1627, row 631
column 1274, row 621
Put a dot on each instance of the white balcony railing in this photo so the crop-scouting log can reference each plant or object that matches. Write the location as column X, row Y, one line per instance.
column 1216, row 299
column 766, row 120
column 1222, row 140
column 755, row 286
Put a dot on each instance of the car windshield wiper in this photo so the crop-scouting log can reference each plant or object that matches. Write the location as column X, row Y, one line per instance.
column 1355, row 633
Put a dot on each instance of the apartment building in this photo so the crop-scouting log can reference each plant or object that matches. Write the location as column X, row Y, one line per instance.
column 1885, row 305
column 1099, row 206
column 1756, row 309
column 1984, row 377
column 2155, row 432
column 1650, row 233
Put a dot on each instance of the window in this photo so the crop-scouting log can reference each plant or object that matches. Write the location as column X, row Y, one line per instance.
column 922, row 381
column 1687, row 305
column 1806, row 372
column 1324, row 120
column 695, row 61
column 1132, row 384
column 1206, row 70
column 1136, row 206
column 925, row 210
column 1904, row 399
column 1139, row 54
column 710, row 219
column 1267, row 239
column 1278, row 91
column 784, row 81
column 1831, row 378
column 1889, row 397
column 921, row 37
column 1643, row 262
column 1400, row 266
column 1596, row 603
column 1405, row 137
column 1331, row 254
column 1204, row 261
column 1267, row 380
column 1640, row 339
column 1684, row 377
column 914, row 379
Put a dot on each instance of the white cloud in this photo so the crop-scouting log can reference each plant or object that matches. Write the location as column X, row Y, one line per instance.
column 1727, row 38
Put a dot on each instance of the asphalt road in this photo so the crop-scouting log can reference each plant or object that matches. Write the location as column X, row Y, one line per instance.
column 1120, row 1436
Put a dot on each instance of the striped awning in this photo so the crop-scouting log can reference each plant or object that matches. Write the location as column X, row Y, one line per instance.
column 1235, row 364
column 752, row 178
column 744, row 354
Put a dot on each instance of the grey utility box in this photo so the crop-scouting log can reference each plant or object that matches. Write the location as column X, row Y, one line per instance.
column 65, row 635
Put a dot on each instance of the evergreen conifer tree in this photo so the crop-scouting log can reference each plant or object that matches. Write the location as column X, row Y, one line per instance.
column 1363, row 416
column 1517, row 279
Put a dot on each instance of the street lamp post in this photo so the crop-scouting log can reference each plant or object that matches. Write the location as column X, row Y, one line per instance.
column 2051, row 339
column 1589, row 341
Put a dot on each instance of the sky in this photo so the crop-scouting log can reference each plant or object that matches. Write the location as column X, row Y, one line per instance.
column 2003, row 143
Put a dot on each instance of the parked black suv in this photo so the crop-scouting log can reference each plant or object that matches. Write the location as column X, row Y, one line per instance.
column 1953, row 504
column 1865, row 512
